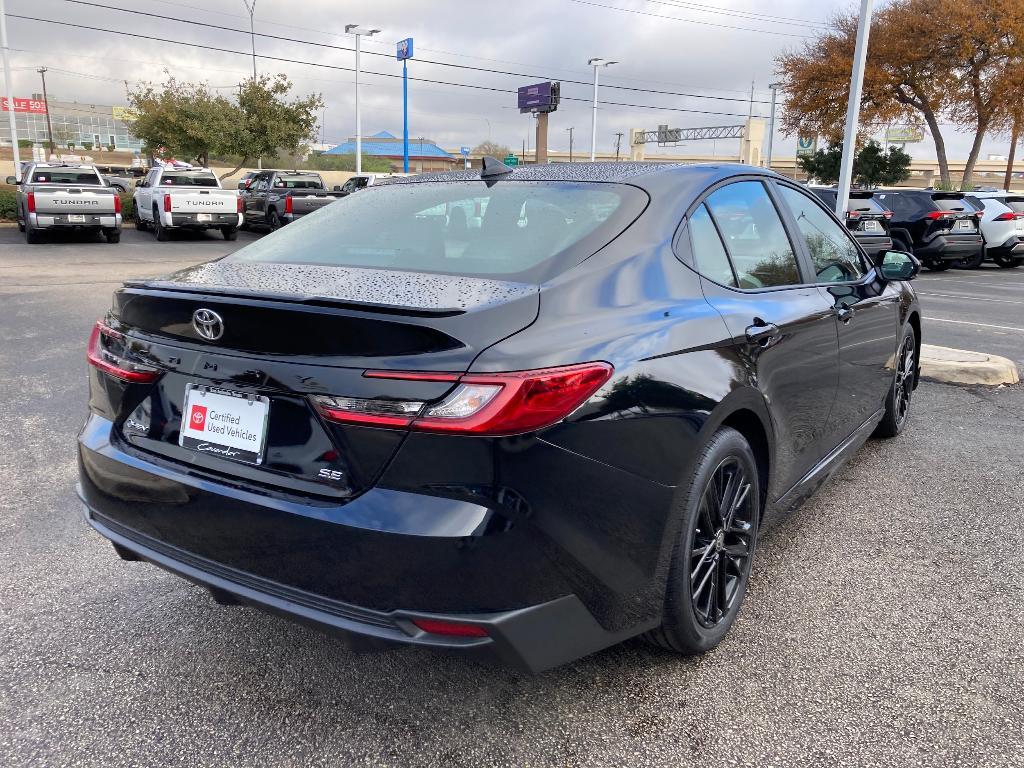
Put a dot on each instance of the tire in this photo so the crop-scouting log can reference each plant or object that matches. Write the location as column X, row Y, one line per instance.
column 21, row 225
column 112, row 235
column 274, row 221
column 1008, row 262
column 715, row 550
column 974, row 262
column 897, row 402
column 230, row 233
column 140, row 223
column 32, row 236
column 162, row 235
column 939, row 265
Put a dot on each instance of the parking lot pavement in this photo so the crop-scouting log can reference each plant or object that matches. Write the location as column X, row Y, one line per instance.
column 979, row 309
column 883, row 626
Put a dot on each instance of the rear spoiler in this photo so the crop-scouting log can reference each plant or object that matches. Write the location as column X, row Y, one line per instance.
column 861, row 194
column 947, row 195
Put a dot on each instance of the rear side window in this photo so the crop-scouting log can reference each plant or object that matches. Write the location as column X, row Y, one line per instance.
column 513, row 229
column 708, row 251
column 833, row 253
column 754, row 236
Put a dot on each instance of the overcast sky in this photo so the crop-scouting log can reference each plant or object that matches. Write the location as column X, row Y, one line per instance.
column 710, row 49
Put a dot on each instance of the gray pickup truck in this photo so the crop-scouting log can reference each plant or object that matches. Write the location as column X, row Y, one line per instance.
column 61, row 196
column 274, row 198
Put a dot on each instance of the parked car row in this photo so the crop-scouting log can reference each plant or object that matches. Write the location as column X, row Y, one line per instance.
column 943, row 229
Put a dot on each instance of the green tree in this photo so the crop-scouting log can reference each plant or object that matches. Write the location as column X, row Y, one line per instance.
column 492, row 148
column 270, row 121
column 824, row 164
column 872, row 166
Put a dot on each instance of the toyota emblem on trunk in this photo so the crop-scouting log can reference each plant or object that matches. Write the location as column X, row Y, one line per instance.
column 208, row 324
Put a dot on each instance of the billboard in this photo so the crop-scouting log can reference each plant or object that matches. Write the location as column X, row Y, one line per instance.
column 904, row 134
column 25, row 105
column 403, row 49
column 540, row 97
column 124, row 114
column 806, row 145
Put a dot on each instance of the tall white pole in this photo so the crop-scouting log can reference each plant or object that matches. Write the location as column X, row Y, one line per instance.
column 8, row 88
column 853, row 108
column 771, row 127
column 593, row 120
column 359, row 125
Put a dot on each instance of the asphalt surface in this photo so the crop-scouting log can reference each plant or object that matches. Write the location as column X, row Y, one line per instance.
column 977, row 309
column 883, row 625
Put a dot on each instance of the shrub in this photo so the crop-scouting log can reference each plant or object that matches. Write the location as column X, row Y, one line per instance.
column 111, row 147
column 25, row 143
column 127, row 206
column 8, row 204
column 87, row 145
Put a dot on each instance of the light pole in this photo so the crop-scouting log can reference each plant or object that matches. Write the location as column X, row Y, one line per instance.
column 358, row 31
column 596, row 64
column 570, row 130
column 853, row 107
column 250, row 6
column 10, row 93
column 771, row 124
column 403, row 51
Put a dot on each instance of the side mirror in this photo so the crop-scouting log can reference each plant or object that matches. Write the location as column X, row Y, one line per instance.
column 337, row 187
column 12, row 180
column 242, row 185
column 139, row 182
column 897, row 265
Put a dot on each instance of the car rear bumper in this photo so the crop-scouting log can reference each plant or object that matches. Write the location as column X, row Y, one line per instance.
column 950, row 247
column 191, row 221
column 63, row 220
column 547, row 588
column 1012, row 246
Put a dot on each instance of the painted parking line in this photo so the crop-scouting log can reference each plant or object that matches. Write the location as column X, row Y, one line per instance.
column 971, row 298
column 967, row 322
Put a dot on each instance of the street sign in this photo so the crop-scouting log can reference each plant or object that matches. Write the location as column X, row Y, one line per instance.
column 806, row 145
column 464, row 151
column 403, row 49
column 540, row 97
column 511, row 161
column 904, row 134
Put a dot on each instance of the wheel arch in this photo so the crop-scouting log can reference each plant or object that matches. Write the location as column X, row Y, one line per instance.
column 745, row 411
column 914, row 320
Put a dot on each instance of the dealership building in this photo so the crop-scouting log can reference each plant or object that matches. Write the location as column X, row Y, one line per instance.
column 73, row 122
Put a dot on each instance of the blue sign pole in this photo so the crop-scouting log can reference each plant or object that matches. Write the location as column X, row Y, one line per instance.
column 403, row 52
column 405, row 116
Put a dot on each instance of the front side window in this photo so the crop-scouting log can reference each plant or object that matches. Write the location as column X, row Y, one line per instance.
column 834, row 254
column 757, row 242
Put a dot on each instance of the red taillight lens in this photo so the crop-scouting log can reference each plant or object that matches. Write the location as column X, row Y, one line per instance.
column 935, row 215
column 167, row 203
column 117, row 203
column 288, row 205
column 1006, row 216
column 239, row 205
column 30, row 202
column 450, row 628
column 853, row 214
column 480, row 404
column 106, row 351
column 887, row 214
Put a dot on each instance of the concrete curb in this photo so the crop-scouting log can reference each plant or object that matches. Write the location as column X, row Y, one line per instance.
column 960, row 366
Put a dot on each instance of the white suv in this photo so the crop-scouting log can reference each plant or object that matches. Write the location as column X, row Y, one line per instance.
column 1002, row 226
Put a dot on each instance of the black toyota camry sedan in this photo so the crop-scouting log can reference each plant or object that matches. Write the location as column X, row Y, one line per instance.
column 525, row 414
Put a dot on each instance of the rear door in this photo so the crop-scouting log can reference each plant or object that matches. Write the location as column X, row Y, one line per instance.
column 865, row 311
column 778, row 318
column 255, row 201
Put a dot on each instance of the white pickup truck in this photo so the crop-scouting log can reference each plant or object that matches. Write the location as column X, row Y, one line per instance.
column 171, row 198
column 61, row 196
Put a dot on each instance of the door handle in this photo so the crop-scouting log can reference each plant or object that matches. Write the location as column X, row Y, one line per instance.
column 844, row 313
column 762, row 333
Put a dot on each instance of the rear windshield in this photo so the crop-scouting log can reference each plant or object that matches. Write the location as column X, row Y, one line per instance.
column 298, row 182
column 952, row 204
column 188, row 179
column 513, row 230
column 861, row 204
column 64, row 176
column 1015, row 204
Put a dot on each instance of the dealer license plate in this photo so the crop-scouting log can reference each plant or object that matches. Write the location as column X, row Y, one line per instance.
column 76, row 218
column 218, row 422
column 205, row 217
column 965, row 225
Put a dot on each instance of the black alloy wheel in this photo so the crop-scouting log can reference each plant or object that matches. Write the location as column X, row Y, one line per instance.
column 722, row 543
column 897, row 404
column 714, row 553
column 1008, row 262
column 940, row 265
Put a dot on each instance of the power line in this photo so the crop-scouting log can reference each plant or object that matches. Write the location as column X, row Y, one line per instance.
column 280, row 38
column 351, row 69
column 736, row 13
column 691, row 21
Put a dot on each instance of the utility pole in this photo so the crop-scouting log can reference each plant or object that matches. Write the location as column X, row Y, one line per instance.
column 250, row 6
column 49, row 126
column 771, row 125
column 853, row 108
column 618, row 143
column 10, row 93
column 750, row 110
column 570, row 130
column 358, row 31
column 596, row 64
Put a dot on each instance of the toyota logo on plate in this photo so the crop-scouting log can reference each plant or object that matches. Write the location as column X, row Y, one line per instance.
column 208, row 324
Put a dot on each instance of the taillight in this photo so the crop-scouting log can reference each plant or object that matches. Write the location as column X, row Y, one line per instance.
column 479, row 404
column 935, row 215
column 451, row 628
column 167, row 203
column 288, row 205
column 887, row 214
column 30, row 202
column 1006, row 216
column 239, row 205
column 853, row 214
column 107, row 352
column 117, row 203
